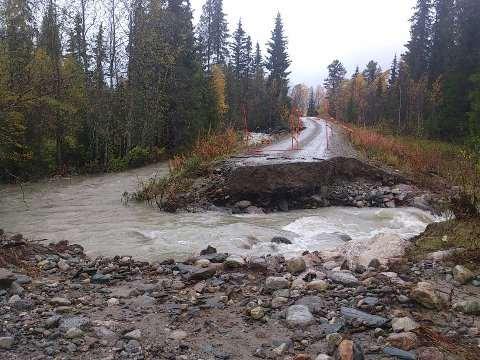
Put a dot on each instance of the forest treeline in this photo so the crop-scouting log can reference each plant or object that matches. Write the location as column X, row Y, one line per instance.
column 104, row 85
column 433, row 90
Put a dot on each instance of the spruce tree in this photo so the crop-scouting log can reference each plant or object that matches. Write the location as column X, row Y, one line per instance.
column 19, row 34
column 181, row 86
column 419, row 47
column 258, row 113
column 239, row 54
column 312, row 111
column 443, row 38
column 100, row 56
column 371, row 72
column 393, row 72
column 468, row 30
column 277, row 64
column 50, row 43
column 336, row 75
column 213, row 34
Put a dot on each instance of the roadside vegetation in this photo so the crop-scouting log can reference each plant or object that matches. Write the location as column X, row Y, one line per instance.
column 185, row 168
column 432, row 163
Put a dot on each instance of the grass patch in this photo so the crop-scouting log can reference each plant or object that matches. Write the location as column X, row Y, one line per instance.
column 427, row 162
column 452, row 234
column 185, row 168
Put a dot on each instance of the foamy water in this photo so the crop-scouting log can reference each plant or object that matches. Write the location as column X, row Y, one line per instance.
column 89, row 211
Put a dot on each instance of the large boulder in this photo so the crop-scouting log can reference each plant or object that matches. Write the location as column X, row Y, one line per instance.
column 234, row 262
column 462, row 274
column 426, row 295
column 6, row 278
column 470, row 307
column 296, row 265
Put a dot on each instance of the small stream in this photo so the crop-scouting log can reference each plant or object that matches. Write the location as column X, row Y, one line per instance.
column 88, row 210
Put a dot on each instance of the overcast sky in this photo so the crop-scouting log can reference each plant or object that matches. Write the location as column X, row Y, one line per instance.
column 354, row 31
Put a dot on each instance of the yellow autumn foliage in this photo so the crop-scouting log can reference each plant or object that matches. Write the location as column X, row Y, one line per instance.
column 219, row 88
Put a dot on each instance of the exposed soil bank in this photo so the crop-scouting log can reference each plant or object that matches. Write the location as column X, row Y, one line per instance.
column 303, row 185
column 56, row 303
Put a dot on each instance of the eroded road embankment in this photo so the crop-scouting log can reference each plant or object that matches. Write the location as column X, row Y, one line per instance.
column 323, row 170
column 304, row 185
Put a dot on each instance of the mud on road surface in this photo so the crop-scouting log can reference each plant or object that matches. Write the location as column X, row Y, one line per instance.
column 319, row 140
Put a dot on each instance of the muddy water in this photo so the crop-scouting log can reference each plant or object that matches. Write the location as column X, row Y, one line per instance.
column 89, row 211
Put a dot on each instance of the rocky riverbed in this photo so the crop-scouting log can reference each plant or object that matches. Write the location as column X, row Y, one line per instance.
column 56, row 303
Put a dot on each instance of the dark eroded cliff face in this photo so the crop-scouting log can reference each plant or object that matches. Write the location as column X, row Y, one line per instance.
column 300, row 179
column 334, row 182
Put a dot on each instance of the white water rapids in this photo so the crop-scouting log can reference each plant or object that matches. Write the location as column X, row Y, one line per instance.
column 88, row 210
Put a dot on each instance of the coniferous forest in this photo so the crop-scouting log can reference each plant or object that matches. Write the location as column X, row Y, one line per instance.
column 93, row 85
column 98, row 85
column 432, row 90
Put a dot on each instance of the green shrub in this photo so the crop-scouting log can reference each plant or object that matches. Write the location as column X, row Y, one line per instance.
column 117, row 165
column 157, row 154
column 138, row 156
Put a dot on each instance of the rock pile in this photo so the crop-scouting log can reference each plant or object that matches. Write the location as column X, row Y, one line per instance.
column 220, row 306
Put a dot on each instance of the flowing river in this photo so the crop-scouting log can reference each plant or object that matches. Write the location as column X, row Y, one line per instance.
column 88, row 210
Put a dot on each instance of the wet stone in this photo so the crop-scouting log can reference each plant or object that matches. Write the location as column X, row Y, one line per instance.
column 299, row 316
column 202, row 274
column 462, row 274
column 373, row 321
column 296, row 265
column 100, row 278
column 276, row 283
column 6, row 342
column 399, row 353
column 6, row 278
column 208, row 251
column 257, row 264
column 73, row 333
column 425, row 294
column 281, row 240
column 405, row 341
column 314, row 303
column 71, row 322
column 343, row 277
column 471, row 307
column 404, row 324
